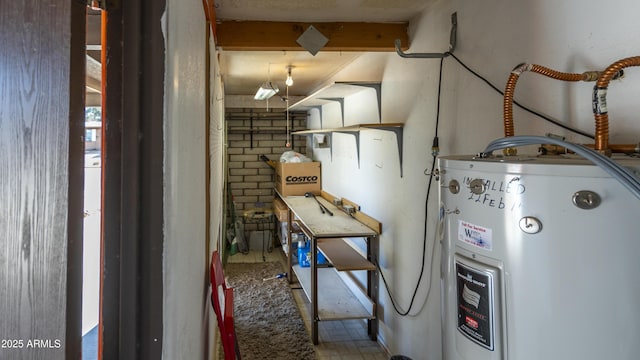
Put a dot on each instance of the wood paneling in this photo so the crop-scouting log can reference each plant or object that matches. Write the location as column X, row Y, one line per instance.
column 343, row 36
column 41, row 121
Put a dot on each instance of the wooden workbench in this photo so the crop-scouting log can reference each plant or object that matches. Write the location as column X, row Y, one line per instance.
column 330, row 234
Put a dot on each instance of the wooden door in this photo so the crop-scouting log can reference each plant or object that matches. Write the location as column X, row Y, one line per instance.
column 41, row 178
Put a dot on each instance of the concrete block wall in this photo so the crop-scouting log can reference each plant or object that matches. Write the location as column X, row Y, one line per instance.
column 253, row 132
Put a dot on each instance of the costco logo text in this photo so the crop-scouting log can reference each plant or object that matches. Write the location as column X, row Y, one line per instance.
column 301, row 179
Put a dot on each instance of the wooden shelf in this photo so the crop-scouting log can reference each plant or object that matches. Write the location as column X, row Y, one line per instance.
column 343, row 256
column 396, row 128
column 336, row 92
column 359, row 127
column 335, row 300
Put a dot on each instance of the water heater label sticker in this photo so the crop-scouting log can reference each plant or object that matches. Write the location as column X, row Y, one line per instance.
column 475, row 235
column 475, row 305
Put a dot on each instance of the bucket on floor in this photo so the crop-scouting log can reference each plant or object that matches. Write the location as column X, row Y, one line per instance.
column 260, row 239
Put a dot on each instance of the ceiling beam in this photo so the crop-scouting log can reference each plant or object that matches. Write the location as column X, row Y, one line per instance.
column 343, row 36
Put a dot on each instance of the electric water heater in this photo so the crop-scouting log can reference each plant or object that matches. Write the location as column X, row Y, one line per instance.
column 539, row 259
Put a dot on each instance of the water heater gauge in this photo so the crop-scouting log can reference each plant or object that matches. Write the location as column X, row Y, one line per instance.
column 530, row 225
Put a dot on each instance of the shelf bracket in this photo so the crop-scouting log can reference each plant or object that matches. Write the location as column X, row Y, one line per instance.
column 319, row 107
column 356, row 134
column 399, row 132
column 452, row 44
column 378, row 89
column 339, row 101
column 327, row 134
column 330, row 145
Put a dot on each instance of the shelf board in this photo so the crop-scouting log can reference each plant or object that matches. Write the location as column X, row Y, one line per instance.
column 335, row 300
column 343, row 256
column 334, row 90
column 352, row 128
column 396, row 128
column 337, row 92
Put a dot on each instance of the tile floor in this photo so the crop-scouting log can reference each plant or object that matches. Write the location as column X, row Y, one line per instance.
column 339, row 340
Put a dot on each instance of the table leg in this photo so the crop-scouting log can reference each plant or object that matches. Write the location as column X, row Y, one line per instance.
column 314, row 290
column 372, row 286
column 289, row 245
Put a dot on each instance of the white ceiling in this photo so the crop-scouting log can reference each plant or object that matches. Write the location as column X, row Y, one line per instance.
column 244, row 71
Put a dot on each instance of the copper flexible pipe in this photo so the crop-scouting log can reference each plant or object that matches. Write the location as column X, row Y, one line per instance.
column 511, row 87
column 513, row 78
column 600, row 101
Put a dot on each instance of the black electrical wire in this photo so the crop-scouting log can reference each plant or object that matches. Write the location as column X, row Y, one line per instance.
column 439, row 92
column 544, row 117
column 435, row 149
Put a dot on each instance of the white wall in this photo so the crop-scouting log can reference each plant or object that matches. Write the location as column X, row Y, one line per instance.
column 493, row 37
column 185, row 304
column 568, row 36
column 217, row 151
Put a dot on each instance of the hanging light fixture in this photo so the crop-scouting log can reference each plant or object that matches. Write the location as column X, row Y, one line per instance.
column 266, row 91
column 289, row 80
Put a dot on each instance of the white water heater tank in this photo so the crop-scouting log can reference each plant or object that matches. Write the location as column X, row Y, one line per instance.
column 540, row 260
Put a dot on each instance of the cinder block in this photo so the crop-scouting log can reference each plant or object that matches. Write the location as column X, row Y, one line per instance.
column 243, row 158
column 243, row 185
column 240, row 144
column 243, row 172
column 246, row 199
column 272, row 143
column 256, row 192
column 258, row 178
column 235, row 164
column 235, row 151
column 234, row 137
column 255, row 164
column 257, row 150
column 235, row 179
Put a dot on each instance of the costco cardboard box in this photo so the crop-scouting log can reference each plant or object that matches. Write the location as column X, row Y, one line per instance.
column 298, row 178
